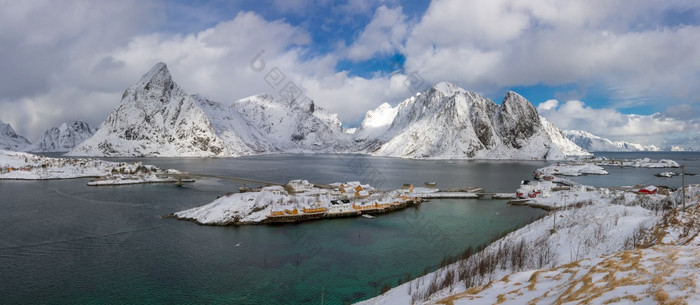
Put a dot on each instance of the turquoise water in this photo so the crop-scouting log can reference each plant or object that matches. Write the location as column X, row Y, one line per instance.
column 66, row 243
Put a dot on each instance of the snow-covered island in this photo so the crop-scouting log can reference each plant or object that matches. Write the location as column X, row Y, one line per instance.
column 611, row 250
column 25, row 166
column 667, row 174
column 298, row 201
column 569, row 169
column 642, row 162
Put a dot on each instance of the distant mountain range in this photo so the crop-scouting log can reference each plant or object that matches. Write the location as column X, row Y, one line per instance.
column 56, row 139
column 592, row 142
column 157, row 118
column 62, row 138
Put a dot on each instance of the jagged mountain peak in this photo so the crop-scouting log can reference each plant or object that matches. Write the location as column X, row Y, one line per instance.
column 447, row 88
column 80, row 125
column 156, row 82
column 157, row 118
column 516, row 103
column 158, row 72
column 10, row 140
column 448, row 122
column 62, row 138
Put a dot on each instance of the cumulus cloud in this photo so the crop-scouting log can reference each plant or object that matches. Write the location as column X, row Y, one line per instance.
column 215, row 62
column 43, row 42
column 71, row 60
column 547, row 105
column 609, row 123
column 383, row 35
column 487, row 45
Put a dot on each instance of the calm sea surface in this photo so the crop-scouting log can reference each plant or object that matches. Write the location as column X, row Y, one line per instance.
column 65, row 242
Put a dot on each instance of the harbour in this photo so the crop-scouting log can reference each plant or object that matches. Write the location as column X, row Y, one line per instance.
column 117, row 248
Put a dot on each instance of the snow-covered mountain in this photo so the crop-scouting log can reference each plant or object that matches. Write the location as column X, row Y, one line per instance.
column 293, row 126
column 62, row 138
column 10, row 140
column 155, row 118
column 591, row 142
column 448, row 122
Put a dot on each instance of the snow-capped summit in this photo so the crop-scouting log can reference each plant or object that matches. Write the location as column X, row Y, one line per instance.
column 10, row 140
column 591, row 142
column 62, row 138
column 155, row 118
column 291, row 125
column 376, row 122
column 447, row 88
column 449, row 122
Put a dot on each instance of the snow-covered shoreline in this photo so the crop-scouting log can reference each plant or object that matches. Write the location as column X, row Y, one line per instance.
column 580, row 233
column 641, row 162
column 26, row 166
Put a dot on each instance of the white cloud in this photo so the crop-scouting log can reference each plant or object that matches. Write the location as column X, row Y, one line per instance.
column 214, row 62
column 627, row 49
column 547, row 105
column 77, row 57
column 383, row 35
column 609, row 123
column 42, row 44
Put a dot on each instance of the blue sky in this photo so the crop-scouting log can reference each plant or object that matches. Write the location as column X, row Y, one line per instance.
column 619, row 71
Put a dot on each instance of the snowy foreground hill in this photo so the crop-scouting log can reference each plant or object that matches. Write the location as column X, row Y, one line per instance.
column 157, row 118
column 611, row 250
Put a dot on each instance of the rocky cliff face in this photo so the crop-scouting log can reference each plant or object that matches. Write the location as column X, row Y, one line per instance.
column 62, row 138
column 451, row 123
column 10, row 140
column 155, row 118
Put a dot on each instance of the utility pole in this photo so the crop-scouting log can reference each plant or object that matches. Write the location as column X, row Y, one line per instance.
column 554, row 225
column 683, row 178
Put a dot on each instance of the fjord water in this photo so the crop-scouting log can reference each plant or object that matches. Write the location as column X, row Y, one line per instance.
column 64, row 242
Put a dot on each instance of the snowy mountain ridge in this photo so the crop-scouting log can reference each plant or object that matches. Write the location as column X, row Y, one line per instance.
column 10, row 140
column 157, row 118
column 591, row 142
column 62, row 138
column 448, row 122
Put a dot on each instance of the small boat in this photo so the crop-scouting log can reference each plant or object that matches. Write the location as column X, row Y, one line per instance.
column 430, row 184
column 367, row 216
